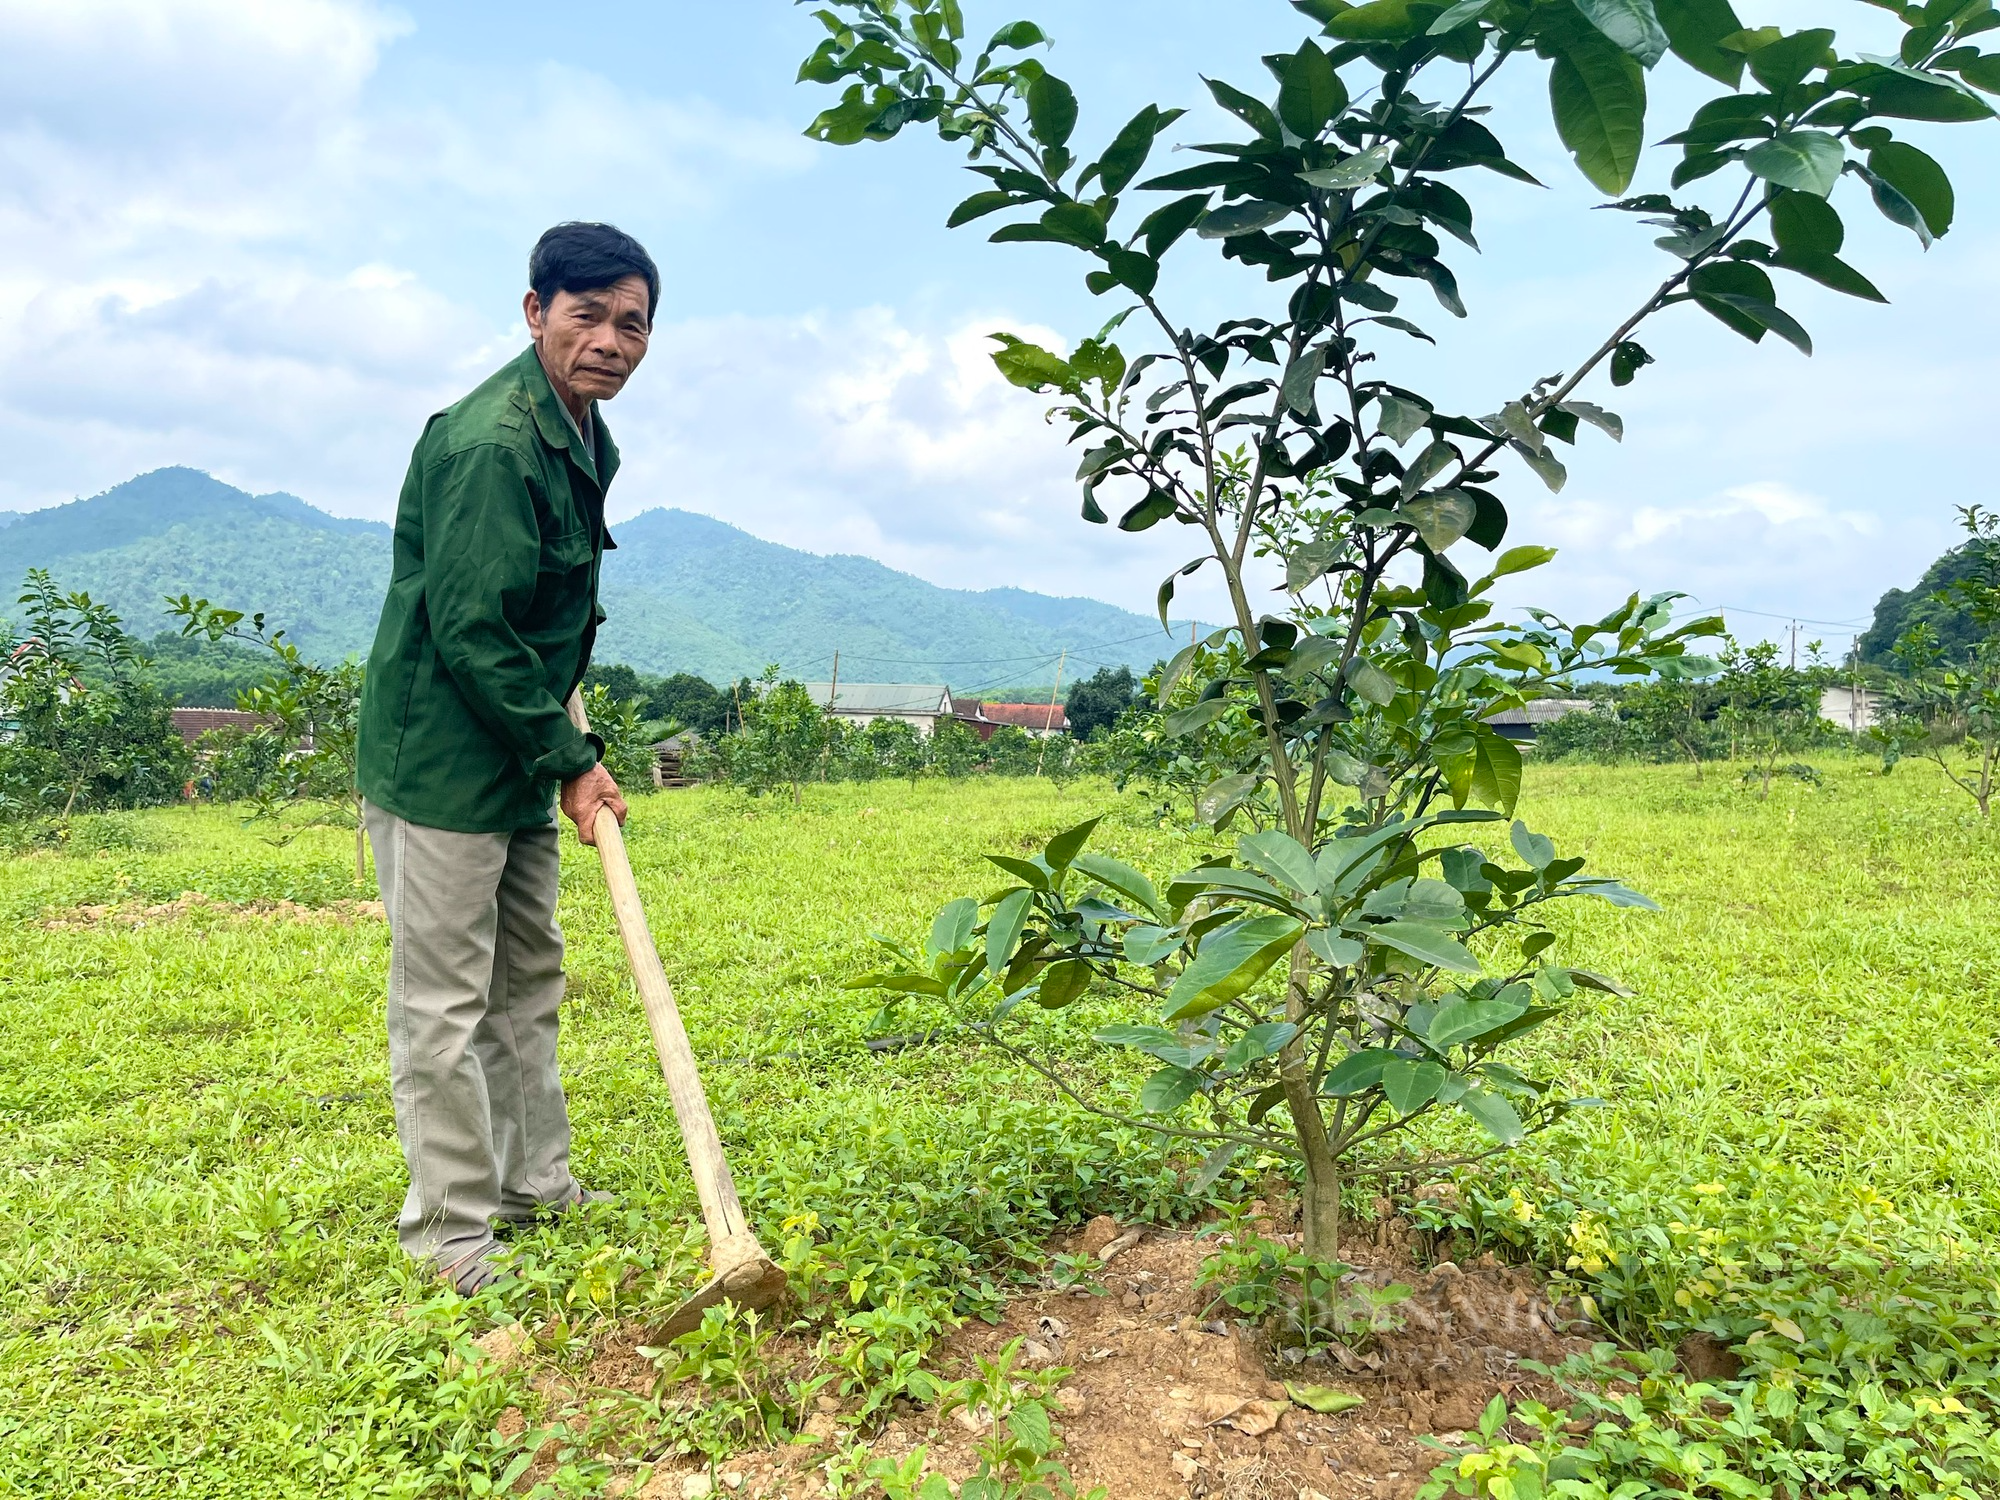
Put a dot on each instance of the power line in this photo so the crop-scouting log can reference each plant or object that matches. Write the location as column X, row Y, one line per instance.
column 995, row 661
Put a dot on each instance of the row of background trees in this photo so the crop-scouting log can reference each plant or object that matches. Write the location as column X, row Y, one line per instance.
column 86, row 710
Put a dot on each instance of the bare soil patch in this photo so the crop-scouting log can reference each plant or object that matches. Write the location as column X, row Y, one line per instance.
column 340, row 913
column 1169, row 1399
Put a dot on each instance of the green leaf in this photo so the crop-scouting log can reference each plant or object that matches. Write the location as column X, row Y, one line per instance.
column 1441, row 518
column 1496, row 772
column 1905, row 93
column 1458, row 15
column 1805, row 222
column 1358, row 170
column 951, row 930
column 1247, row 217
column 1074, row 224
column 1018, row 35
column 1066, row 845
column 1607, row 422
column 1631, row 24
column 1598, row 95
column 1766, row 315
column 1029, row 1423
column 1031, row 366
column 1282, row 857
column 1627, row 360
column 1231, row 959
column 1224, row 795
column 1170, row 221
column 1146, row 945
column 1495, row 1113
column 1152, row 1040
column 1614, row 891
column 1462, row 1020
column 1919, row 179
column 1213, row 1166
column 1409, row 1085
column 1357, row 1071
column 1807, row 161
column 1003, row 928
column 1696, row 29
column 1431, row 945
column 1312, row 93
column 1149, row 512
column 1324, row 1399
column 1120, row 877
column 1718, row 285
column 901, row 984
column 1168, row 1089
column 1370, row 682
column 1400, row 419
column 1302, row 379
column 1982, row 72
column 1129, row 149
column 981, row 204
column 1537, row 851
column 1829, row 271
column 1380, row 21
column 1258, row 1042
column 1251, row 111
column 1548, row 468
column 1521, row 559
column 1196, row 716
column 1783, row 62
column 1051, row 110
column 1021, row 869
column 1330, row 947
column 1062, row 983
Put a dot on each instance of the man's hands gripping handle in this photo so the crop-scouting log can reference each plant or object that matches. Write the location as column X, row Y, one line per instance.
column 589, row 796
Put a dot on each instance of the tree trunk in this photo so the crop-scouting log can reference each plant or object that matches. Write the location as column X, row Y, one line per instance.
column 1319, row 1194
column 1319, row 1207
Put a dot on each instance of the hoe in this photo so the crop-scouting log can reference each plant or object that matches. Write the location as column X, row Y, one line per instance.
column 740, row 1271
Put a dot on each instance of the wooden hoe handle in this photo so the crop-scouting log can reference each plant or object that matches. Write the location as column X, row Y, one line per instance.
column 720, row 1209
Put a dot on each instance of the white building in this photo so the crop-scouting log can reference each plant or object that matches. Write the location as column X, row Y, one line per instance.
column 918, row 703
column 1851, row 707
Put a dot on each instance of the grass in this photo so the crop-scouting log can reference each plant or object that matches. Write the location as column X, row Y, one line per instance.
column 200, row 1292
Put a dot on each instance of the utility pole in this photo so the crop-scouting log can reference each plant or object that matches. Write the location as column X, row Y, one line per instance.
column 1795, row 645
column 832, row 693
column 1049, row 724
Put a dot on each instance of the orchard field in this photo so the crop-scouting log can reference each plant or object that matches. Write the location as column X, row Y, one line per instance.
column 200, row 1292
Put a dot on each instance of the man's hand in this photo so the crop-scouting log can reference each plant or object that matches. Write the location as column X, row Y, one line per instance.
column 582, row 797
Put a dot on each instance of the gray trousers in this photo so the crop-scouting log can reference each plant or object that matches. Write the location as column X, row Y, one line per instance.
column 475, row 980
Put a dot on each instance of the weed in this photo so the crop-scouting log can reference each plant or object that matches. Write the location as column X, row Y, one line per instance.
column 1017, row 1451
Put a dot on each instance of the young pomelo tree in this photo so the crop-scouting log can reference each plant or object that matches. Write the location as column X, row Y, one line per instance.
column 1356, row 966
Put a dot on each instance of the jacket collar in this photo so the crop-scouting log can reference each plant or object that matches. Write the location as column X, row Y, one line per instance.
column 553, row 423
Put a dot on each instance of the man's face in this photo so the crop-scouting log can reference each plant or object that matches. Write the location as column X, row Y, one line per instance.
column 591, row 342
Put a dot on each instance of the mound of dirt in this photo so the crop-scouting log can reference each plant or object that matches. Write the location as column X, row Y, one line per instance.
column 341, row 913
column 1168, row 1400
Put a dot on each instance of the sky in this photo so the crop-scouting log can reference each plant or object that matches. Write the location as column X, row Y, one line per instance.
column 267, row 238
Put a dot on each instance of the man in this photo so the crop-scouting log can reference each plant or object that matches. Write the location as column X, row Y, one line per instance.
column 491, row 613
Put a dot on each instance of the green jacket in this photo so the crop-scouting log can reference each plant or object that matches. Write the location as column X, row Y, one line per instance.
column 491, row 613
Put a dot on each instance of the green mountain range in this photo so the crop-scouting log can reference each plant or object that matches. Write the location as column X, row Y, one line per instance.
column 685, row 593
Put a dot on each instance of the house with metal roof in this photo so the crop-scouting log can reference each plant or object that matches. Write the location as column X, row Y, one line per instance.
column 918, row 703
column 1526, row 722
column 1042, row 720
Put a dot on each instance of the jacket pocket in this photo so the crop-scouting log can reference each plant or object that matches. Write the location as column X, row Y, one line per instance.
column 562, row 553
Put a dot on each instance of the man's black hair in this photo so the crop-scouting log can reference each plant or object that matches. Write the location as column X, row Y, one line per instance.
column 583, row 257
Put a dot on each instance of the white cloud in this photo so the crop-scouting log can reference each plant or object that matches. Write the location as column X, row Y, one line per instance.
column 225, row 241
column 1736, row 551
column 857, row 433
